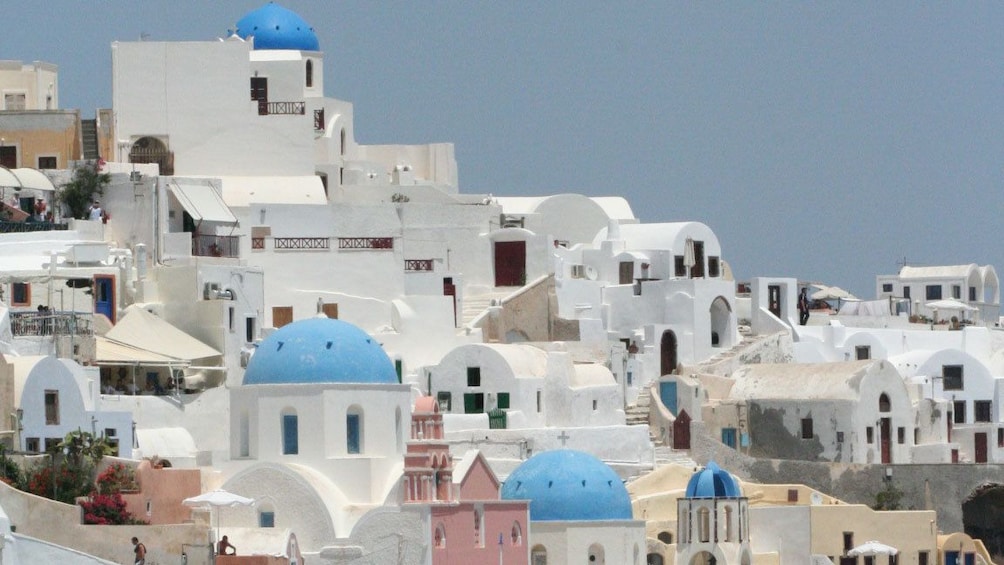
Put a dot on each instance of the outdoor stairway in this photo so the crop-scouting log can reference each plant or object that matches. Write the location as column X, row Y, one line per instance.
column 637, row 413
column 476, row 304
column 665, row 455
column 89, row 137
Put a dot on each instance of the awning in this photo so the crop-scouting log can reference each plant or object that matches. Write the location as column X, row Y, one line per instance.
column 111, row 352
column 241, row 192
column 202, row 203
column 142, row 330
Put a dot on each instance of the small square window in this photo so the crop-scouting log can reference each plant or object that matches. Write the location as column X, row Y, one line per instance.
column 862, row 352
column 956, row 291
column 31, row 444
column 503, row 400
column 445, row 400
column 959, row 406
column 840, row 437
column 793, row 495
column 20, row 294
column 952, row 377
column 266, row 519
column 886, row 287
column 933, row 291
column 806, row 428
column 982, row 410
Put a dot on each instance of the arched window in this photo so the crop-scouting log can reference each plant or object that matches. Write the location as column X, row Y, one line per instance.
column 666, row 538
column 703, row 525
column 354, row 430
column 884, row 404
column 538, row 555
column 310, row 73
column 654, row 559
column 440, row 539
column 343, row 142
column 290, row 432
column 730, row 527
column 596, row 554
column 517, row 534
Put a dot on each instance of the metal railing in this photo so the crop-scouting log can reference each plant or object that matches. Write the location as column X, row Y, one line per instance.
column 215, row 245
column 301, row 243
column 266, row 108
column 33, row 323
column 21, row 227
column 418, row 265
column 366, row 243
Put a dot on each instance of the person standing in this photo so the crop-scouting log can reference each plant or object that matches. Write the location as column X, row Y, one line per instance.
column 803, row 307
column 95, row 213
column 140, row 551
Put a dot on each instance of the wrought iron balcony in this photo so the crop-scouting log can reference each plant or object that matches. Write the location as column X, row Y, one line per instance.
column 215, row 245
column 33, row 323
column 266, row 108
column 20, row 227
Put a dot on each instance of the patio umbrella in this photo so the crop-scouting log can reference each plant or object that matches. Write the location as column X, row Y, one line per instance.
column 872, row 548
column 831, row 293
column 949, row 304
column 218, row 499
column 689, row 256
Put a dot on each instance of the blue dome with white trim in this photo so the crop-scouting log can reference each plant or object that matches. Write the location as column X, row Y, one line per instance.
column 568, row 485
column 713, row 482
column 275, row 27
column 319, row 350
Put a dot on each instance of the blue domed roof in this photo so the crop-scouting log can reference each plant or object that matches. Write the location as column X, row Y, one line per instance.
column 567, row 485
column 713, row 482
column 319, row 350
column 275, row 27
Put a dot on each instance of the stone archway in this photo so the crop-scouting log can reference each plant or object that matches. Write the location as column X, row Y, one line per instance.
column 983, row 517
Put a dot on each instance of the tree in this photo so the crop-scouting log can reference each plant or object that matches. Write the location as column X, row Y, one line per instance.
column 87, row 182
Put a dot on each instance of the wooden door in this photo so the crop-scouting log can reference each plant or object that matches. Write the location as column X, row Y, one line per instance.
column 626, row 272
column 885, row 439
column 681, row 431
column 104, row 296
column 668, row 353
column 510, row 263
column 981, row 447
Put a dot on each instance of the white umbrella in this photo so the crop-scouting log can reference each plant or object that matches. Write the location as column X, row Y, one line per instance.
column 949, row 304
column 689, row 256
column 872, row 548
column 831, row 293
column 218, row 499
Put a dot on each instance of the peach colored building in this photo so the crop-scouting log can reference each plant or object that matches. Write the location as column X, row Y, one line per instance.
column 470, row 524
column 161, row 490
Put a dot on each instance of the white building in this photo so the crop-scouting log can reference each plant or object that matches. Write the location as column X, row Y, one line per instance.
column 975, row 286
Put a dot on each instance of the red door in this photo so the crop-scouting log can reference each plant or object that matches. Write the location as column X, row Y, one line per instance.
column 981, row 447
column 885, row 433
column 681, row 431
column 510, row 263
column 668, row 353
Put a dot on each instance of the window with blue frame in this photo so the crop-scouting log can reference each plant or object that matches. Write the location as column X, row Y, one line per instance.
column 266, row 519
column 290, row 435
column 352, row 443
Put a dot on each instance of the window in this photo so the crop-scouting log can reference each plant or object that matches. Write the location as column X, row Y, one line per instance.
column 516, row 534
column 52, row 407
column 309, row 72
column 479, row 529
column 474, row 403
column 259, row 88
column 249, row 329
column 398, row 368
column 906, row 292
column 679, row 268
column 981, row 411
column 703, row 525
column 440, row 540
column 353, row 428
column 290, row 435
column 231, row 318
column 793, row 495
column 474, row 376
column 848, row 541
column 503, row 401
column 665, row 537
column 886, row 287
column 539, row 402
column 14, row 101
column 31, row 445
column 47, row 163
column 20, row 294
column 594, row 405
column 840, row 437
column 972, row 294
column 538, row 556
column 52, row 443
column 959, row 407
column 266, row 519
column 901, row 435
column 922, row 558
column 712, row 266
column 1000, row 437
column 934, row 292
column 862, row 352
column 806, row 428
column 956, row 291
column 445, row 400
column 884, row 404
column 869, row 435
column 952, row 377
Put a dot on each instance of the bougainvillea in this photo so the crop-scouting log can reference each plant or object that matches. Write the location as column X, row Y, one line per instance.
column 116, row 478
column 107, row 510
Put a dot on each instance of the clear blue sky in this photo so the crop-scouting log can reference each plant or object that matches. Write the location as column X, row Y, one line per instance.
column 824, row 141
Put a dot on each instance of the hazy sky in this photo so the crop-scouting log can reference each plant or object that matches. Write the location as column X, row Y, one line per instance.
column 824, row 141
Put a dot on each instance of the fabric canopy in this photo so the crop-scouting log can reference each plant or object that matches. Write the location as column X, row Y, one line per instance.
column 114, row 353
column 202, row 203
column 143, row 330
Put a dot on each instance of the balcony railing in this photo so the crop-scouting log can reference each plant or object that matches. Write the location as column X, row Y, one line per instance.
column 20, row 227
column 32, row 323
column 301, row 243
column 366, row 243
column 413, row 265
column 215, row 245
column 266, row 108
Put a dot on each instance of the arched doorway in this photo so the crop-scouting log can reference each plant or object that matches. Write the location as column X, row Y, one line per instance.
column 721, row 315
column 703, row 558
column 668, row 353
column 152, row 150
column 981, row 517
column 681, row 431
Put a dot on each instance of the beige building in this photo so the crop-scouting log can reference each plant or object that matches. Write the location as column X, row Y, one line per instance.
column 787, row 525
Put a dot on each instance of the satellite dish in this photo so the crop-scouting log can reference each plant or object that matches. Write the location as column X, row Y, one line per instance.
column 591, row 273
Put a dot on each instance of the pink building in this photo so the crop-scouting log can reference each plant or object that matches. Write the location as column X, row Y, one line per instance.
column 470, row 523
column 161, row 490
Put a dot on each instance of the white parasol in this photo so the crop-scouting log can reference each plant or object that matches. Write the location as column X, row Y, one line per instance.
column 218, row 499
column 689, row 256
column 872, row 548
column 949, row 304
column 831, row 293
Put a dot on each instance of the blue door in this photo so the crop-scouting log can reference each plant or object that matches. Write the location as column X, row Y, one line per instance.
column 667, row 393
column 729, row 437
column 104, row 296
column 951, row 558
